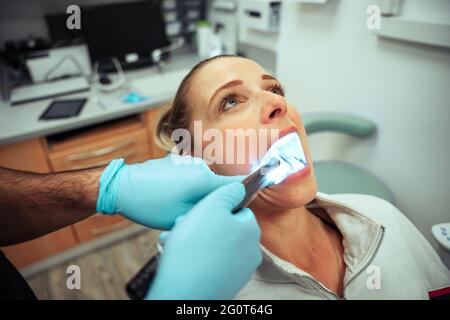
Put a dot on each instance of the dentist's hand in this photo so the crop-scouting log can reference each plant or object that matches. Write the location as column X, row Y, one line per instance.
column 210, row 253
column 156, row 192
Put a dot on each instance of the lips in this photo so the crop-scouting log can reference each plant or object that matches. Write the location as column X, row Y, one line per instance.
column 283, row 133
column 287, row 131
column 298, row 176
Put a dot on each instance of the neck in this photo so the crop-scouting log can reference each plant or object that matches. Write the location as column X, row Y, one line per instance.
column 290, row 233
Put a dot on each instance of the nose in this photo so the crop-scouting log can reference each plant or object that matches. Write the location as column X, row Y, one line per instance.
column 273, row 108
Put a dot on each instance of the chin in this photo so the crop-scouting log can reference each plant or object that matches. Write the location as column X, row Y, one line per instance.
column 287, row 195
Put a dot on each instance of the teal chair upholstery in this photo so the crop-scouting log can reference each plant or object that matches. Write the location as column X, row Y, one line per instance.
column 341, row 177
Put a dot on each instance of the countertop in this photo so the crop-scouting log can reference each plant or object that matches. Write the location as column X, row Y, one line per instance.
column 21, row 122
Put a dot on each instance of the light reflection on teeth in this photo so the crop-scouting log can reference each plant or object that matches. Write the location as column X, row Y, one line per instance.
column 289, row 151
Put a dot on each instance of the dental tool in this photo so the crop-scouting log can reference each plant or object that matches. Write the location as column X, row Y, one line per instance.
column 284, row 158
column 256, row 182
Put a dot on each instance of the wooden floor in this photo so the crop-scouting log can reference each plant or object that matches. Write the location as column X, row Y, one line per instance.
column 104, row 272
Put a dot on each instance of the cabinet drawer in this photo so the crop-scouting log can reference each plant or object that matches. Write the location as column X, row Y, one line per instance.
column 133, row 147
column 28, row 155
column 25, row 253
column 99, row 225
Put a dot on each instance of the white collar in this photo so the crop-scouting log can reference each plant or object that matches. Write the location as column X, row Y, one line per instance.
column 361, row 236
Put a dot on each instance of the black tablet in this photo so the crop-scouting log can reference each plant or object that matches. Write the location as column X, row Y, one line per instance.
column 60, row 109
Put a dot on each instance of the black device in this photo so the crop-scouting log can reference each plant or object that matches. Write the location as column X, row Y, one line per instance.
column 128, row 31
column 104, row 79
column 60, row 109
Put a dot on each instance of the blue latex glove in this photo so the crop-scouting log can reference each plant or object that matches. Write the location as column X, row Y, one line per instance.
column 156, row 192
column 210, row 253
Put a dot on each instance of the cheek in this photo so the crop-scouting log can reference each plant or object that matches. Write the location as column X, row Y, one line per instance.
column 227, row 159
column 231, row 166
column 233, row 153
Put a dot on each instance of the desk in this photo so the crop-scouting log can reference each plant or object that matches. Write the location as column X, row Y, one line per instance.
column 26, row 144
column 20, row 123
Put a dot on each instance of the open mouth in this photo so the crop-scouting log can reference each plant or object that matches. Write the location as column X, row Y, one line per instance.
column 289, row 151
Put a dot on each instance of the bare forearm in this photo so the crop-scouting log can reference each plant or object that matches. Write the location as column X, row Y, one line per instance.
column 32, row 204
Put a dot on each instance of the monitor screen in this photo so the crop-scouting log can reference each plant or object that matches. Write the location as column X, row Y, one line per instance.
column 117, row 30
column 59, row 33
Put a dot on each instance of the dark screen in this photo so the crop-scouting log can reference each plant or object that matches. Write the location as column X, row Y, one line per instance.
column 63, row 109
column 56, row 24
column 115, row 30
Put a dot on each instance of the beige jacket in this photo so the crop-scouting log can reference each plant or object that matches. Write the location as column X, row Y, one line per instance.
column 386, row 257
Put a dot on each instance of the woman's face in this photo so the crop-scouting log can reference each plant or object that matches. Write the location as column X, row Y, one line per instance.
column 237, row 93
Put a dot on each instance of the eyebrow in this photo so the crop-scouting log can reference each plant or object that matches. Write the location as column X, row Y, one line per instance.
column 227, row 85
column 268, row 77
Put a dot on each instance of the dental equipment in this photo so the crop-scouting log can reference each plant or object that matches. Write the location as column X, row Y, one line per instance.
column 284, row 158
column 255, row 182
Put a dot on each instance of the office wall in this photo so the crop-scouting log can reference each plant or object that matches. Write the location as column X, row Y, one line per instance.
column 329, row 61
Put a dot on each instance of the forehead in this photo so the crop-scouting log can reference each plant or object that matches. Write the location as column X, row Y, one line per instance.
column 222, row 70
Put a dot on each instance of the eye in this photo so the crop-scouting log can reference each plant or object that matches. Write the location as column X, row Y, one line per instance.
column 230, row 101
column 278, row 89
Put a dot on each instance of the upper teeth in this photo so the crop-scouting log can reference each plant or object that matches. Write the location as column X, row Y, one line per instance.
column 289, row 150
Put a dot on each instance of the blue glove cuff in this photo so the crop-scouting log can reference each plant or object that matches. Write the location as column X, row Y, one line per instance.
column 108, row 187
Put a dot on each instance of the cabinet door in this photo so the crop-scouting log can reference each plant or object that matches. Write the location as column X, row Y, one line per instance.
column 99, row 225
column 32, row 156
column 132, row 146
column 28, row 156
column 124, row 139
column 26, row 253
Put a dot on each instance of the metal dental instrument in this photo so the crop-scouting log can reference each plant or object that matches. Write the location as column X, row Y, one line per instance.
column 258, row 180
column 284, row 157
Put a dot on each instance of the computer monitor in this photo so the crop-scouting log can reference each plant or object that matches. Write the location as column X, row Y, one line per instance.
column 58, row 31
column 128, row 31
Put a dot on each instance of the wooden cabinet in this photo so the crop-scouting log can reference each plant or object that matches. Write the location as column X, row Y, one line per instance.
column 28, row 155
column 131, row 138
column 97, row 146
column 99, row 225
column 26, row 253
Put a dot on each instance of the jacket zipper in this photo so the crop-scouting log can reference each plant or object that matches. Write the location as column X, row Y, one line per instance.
column 380, row 241
column 366, row 265
column 318, row 285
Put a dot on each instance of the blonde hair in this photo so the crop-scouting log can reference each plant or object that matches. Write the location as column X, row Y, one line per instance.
column 177, row 114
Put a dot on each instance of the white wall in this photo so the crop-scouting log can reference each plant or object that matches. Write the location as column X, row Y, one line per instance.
column 329, row 61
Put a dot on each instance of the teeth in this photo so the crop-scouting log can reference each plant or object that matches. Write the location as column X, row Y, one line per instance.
column 289, row 151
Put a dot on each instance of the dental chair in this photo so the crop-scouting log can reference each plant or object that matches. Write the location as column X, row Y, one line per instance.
column 341, row 177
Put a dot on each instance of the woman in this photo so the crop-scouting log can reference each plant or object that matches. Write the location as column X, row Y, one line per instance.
column 315, row 246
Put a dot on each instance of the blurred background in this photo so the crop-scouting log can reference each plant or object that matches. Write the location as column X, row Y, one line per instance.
column 82, row 82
